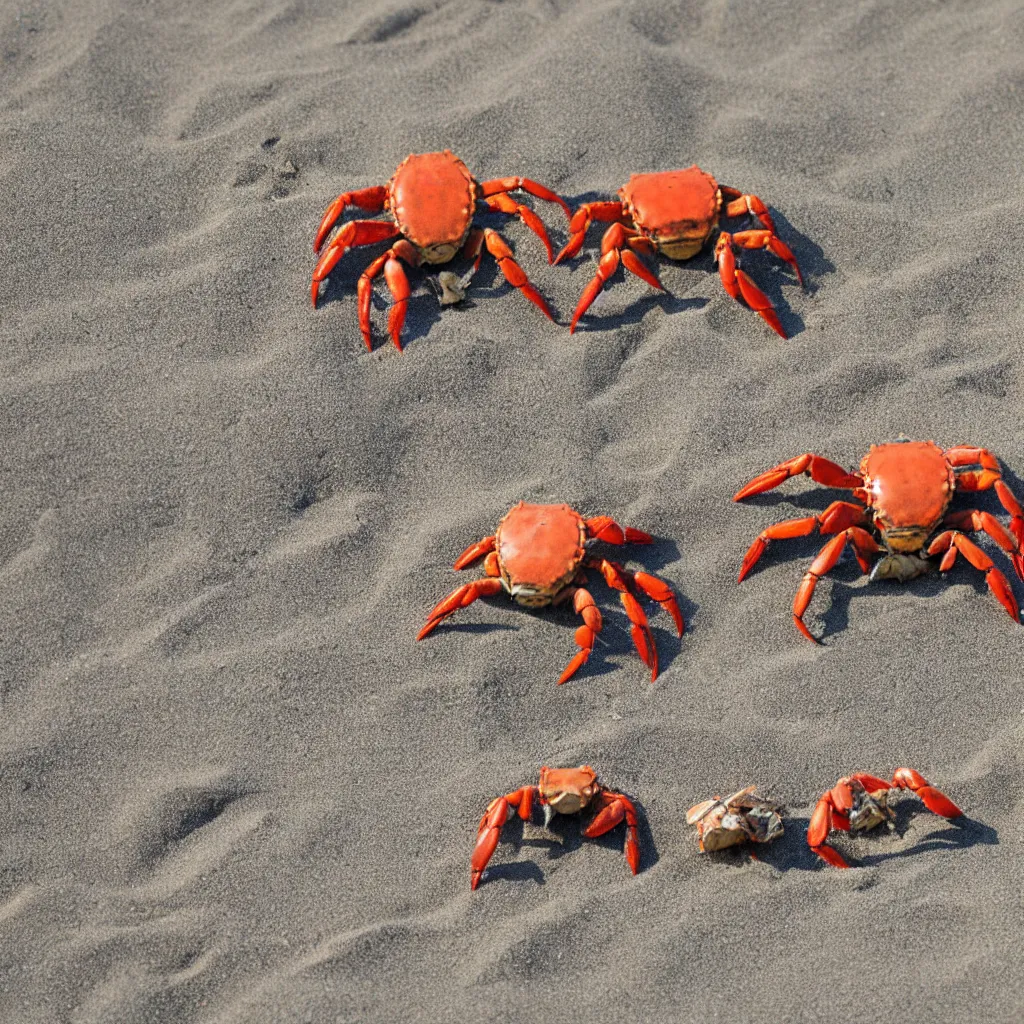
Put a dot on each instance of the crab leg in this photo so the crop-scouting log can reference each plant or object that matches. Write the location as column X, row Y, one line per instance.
column 951, row 541
column 503, row 203
column 606, row 266
column 838, row 516
column 618, row 579
column 612, row 244
column 370, row 199
column 581, row 221
column 614, row 807
column 584, row 604
column 398, row 285
column 768, row 240
column 658, row 590
column 739, row 203
column 863, row 544
column 475, row 551
column 973, row 519
column 514, row 274
column 489, row 831
column 355, row 232
column 740, row 285
column 605, row 529
column 990, row 476
column 473, row 247
column 821, row 471
column 461, row 598
column 496, row 185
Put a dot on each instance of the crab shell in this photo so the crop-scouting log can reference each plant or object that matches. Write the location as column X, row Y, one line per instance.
column 540, row 549
column 568, row 790
column 909, row 485
column 676, row 210
column 432, row 197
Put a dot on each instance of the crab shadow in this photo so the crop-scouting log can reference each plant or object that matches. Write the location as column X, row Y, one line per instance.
column 835, row 612
column 791, row 853
column 614, row 639
column 564, row 837
column 769, row 272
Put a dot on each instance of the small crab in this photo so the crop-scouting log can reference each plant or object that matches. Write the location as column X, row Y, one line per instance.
column 675, row 213
column 907, row 487
column 538, row 555
column 739, row 818
column 860, row 801
column 561, row 791
column 432, row 197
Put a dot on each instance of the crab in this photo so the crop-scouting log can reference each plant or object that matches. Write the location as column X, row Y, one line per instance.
column 860, row 801
column 675, row 213
column 560, row 791
column 538, row 554
column 432, row 198
column 744, row 816
column 907, row 487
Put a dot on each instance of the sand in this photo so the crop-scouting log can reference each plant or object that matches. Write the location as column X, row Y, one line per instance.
column 234, row 788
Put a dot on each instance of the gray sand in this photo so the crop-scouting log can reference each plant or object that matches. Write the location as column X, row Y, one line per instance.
column 234, row 788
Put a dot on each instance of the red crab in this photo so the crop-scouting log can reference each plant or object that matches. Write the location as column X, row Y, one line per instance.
column 859, row 802
column 907, row 486
column 561, row 791
column 538, row 554
column 675, row 212
column 432, row 198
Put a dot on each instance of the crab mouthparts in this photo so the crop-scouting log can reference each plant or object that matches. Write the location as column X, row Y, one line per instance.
column 529, row 596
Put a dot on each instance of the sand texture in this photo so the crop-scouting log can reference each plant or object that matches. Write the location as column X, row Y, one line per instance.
column 233, row 787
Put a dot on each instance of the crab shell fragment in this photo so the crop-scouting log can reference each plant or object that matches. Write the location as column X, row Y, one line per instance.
column 740, row 818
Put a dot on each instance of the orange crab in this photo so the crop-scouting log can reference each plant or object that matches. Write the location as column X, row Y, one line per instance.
column 675, row 212
column 907, row 486
column 561, row 791
column 860, row 801
column 538, row 554
column 432, row 197
column 742, row 817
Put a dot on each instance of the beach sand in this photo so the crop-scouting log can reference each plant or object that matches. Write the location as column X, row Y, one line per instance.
column 233, row 788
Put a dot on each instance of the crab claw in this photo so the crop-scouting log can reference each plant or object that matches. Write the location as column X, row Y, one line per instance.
column 617, row 808
column 822, row 822
column 489, row 830
column 487, row 838
column 934, row 799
